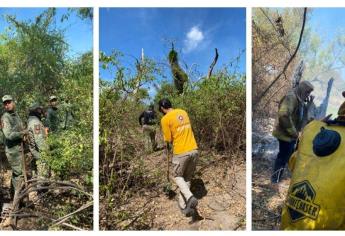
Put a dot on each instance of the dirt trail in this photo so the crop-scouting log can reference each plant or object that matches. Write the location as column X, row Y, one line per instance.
column 267, row 202
column 220, row 190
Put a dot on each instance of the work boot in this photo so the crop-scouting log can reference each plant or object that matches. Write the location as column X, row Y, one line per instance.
column 189, row 208
column 191, row 203
column 188, row 212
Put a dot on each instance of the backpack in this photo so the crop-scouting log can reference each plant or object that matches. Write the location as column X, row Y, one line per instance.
column 315, row 199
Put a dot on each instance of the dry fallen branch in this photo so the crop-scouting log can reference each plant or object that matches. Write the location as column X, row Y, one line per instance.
column 66, row 217
column 44, row 216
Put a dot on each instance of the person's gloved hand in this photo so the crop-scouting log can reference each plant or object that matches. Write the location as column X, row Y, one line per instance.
column 311, row 98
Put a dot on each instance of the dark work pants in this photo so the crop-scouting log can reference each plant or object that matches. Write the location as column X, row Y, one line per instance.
column 285, row 151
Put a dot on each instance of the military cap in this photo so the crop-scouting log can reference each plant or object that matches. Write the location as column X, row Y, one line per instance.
column 7, row 98
column 35, row 106
column 52, row 98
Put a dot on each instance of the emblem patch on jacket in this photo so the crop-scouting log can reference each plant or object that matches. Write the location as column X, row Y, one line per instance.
column 300, row 202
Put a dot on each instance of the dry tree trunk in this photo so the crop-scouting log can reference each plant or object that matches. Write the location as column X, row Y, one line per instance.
column 322, row 109
column 213, row 64
column 180, row 77
column 298, row 74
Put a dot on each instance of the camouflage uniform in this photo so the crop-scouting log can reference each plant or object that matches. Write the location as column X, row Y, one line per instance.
column 150, row 133
column 37, row 141
column 53, row 119
column 12, row 128
column 68, row 116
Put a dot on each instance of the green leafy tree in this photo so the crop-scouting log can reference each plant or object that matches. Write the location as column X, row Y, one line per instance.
column 35, row 64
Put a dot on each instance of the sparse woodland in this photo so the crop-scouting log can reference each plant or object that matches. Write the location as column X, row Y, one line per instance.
column 133, row 179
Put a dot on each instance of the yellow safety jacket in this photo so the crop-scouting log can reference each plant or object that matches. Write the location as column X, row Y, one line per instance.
column 316, row 196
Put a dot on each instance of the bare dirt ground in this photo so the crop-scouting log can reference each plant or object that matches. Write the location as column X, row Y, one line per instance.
column 267, row 201
column 219, row 187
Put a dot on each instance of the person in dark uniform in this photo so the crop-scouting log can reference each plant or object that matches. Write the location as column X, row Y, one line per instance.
column 148, row 121
column 53, row 120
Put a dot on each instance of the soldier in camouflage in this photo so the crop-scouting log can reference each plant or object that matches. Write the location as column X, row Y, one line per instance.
column 68, row 115
column 53, row 119
column 36, row 138
column 14, row 132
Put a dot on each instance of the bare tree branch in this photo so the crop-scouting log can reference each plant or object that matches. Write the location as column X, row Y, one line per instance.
column 66, row 217
column 275, row 28
column 258, row 100
column 213, row 64
column 34, row 185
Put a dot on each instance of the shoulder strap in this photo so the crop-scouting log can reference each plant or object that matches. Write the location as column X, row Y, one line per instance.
column 335, row 122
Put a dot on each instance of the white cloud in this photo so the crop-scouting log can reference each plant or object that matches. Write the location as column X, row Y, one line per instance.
column 193, row 38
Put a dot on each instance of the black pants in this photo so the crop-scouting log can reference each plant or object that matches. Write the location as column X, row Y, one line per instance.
column 285, row 151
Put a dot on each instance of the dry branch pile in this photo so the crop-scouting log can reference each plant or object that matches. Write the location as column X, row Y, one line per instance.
column 45, row 200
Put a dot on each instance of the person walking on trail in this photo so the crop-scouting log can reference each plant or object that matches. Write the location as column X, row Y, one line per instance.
column 177, row 130
column 14, row 132
column 292, row 109
column 148, row 121
column 315, row 199
column 36, row 138
column 53, row 118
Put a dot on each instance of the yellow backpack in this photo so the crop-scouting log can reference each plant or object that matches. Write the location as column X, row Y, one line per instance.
column 316, row 196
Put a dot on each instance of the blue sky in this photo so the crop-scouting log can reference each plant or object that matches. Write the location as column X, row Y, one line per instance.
column 327, row 23
column 78, row 33
column 196, row 32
